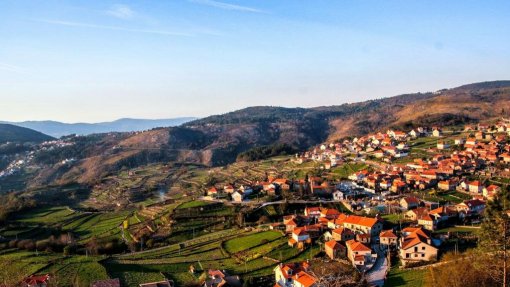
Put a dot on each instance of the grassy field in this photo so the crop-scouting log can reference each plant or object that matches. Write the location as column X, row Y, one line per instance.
column 218, row 250
column 249, row 241
column 191, row 204
column 343, row 171
column 405, row 277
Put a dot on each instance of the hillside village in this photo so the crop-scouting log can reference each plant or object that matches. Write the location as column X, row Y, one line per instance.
column 394, row 200
column 455, row 165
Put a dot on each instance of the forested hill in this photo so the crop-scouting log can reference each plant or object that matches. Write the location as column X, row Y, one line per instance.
column 12, row 133
column 259, row 131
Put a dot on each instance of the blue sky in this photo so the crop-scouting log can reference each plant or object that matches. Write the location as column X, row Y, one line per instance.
column 102, row 60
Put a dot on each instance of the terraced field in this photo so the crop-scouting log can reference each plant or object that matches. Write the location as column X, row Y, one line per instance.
column 247, row 253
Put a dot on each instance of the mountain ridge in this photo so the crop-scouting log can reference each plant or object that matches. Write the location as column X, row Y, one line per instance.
column 218, row 140
column 13, row 133
column 58, row 129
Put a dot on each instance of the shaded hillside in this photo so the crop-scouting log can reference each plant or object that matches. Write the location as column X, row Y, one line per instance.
column 218, row 140
column 12, row 133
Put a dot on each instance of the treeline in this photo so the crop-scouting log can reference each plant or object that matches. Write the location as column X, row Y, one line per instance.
column 263, row 152
column 14, row 202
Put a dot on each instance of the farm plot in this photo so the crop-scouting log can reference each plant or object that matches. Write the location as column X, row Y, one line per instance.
column 246, row 242
column 206, row 252
column 28, row 262
column 47, row 215
column 100, row 225
column 171, row 249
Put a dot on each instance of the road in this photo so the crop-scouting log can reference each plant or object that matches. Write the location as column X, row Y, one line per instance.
column 376, row 275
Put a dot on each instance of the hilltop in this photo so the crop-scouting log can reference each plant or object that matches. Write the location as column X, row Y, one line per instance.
column 218, row 140
column 12, row 133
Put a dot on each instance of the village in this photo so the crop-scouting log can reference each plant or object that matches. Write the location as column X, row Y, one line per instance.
column 377, row 205
column 396, row 204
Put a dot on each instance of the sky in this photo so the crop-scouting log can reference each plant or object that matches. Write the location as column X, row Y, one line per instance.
column 100, row 60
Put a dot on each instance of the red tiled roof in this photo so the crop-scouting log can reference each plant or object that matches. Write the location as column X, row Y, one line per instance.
column 388, row 234
column 37, row 279
column 305, row 279
column 357, row 246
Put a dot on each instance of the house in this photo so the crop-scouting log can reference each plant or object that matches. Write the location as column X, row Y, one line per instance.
column 361, row 224
column 414, row 214
column 491, row 191
column 475, row 186
column 443, row 213
column 359, row 254
column 283, row 183
column 266, row 186
column 442, row 145
column 409, row 202
column 342, row 234
column 330, row 213
column 427, row 221
column 294, row 275
column 212, row 191
column 36, row 281
column 398, row 186
column 164, row 283
column 313, row 212
column 219, row 278
column 334, row 249
column 505, row 157
column 238, row 196
column 388, row 238
column 358, row 176
column 300, row 238
column 363, row 238
column 107, row 283
column 290, row 224
column 446, row 185
column 471, row 142
column 338, row 195
column 436, row 133
column 228, row 188
column 471, row 207
column 415, row 245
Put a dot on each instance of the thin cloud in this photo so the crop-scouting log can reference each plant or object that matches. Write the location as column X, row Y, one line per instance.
column 121, row 11
column 227, row 6
column 103, row 27
column 11, row 68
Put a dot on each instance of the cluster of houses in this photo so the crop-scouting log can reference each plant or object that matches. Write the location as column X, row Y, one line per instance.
column 25, row 159
column 389, row 145
column 294, row 275
column 354, row 237
column 431, row 218
column 272, row 187
column 445, row 171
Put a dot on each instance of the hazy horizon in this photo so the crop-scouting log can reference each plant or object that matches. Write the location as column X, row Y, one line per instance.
column 97, row 61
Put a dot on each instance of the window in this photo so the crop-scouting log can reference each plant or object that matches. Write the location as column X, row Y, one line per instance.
column 423, row 255
column 415, row 249
column 423, row 248
column 407, row 255
column 415, row 255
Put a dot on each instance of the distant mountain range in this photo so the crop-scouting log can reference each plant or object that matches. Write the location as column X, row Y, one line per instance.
column 12, row 133
column 58, row 129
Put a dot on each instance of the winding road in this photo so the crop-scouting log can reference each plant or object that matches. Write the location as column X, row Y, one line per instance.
column 377, row 275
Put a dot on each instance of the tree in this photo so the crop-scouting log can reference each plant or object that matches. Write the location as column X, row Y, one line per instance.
column 463, row 270
column 495, row 237
column 11, row 274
